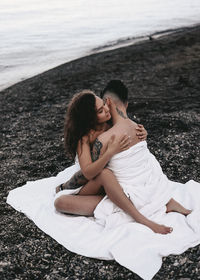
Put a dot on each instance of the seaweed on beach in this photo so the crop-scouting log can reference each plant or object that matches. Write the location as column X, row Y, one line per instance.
column 162, row 75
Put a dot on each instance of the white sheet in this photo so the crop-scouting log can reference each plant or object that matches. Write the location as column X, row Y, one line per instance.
column 113, row 234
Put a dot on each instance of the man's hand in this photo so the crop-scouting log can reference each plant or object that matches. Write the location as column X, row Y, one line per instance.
column 141, row 132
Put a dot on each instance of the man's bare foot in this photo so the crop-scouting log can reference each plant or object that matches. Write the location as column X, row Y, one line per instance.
column 160, row 228
column 174, row 206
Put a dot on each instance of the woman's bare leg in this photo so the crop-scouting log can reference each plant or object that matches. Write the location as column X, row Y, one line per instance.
column 117, row 196
column 84, row 202
column 77, row 204
column 93, row 187
column 174, row 206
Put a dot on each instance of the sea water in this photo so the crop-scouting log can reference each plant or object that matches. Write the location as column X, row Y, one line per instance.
column 38, row 35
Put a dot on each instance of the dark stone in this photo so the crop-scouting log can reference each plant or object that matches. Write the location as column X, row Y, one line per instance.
column 163, row 80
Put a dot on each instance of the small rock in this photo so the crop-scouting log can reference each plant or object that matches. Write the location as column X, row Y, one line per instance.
column 182, row 261
column 175, row 263
column 3, row 264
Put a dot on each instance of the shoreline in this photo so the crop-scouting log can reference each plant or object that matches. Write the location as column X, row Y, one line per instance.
column 163, row 80
column 117, row 44
column 139, row 39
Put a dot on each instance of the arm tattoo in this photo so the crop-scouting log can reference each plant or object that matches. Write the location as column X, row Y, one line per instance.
column 78, row 179
column 95, row 153
column 121, row 113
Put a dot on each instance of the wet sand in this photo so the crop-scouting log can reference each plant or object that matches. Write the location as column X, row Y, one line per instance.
column 163, row 77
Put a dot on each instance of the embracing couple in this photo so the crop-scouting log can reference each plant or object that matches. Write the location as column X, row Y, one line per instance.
column 116, row 164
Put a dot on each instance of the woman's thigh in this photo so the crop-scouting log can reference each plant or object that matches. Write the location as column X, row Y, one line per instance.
column 77, row 204
column 93, row 187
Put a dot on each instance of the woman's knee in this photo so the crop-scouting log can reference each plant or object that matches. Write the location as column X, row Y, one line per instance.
column 105, row 172
column 62, row 202
column 57, row 203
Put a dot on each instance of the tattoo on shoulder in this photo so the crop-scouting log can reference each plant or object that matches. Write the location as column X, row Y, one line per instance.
column 96, row 150
column 121, row 113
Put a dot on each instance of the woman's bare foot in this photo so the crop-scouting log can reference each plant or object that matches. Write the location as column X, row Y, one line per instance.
column 160, row 228
column 174, row 206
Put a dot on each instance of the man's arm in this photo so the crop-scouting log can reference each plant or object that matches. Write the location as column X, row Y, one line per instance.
column 141, row 132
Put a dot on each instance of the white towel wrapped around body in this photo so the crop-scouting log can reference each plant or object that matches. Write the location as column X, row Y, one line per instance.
column 114, row 234
column 141, row 177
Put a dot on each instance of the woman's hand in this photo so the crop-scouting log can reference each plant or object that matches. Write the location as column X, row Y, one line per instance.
column 118, row 145
column 57, row 189
column 85, row 139
column 141, row 132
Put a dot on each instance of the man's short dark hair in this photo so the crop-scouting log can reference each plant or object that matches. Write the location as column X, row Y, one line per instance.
column 118, row 88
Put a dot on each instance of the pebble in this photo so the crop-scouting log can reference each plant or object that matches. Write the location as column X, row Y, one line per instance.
column 31, row 147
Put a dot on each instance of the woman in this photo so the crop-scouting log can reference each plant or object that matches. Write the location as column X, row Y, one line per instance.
column 80, row 134
column 86, row 119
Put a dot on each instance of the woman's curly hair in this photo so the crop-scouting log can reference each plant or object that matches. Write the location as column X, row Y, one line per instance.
column 80, row 118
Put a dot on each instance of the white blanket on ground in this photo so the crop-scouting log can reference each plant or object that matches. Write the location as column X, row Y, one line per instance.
column 112, row 234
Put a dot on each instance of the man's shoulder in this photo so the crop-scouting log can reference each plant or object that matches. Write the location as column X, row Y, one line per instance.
column 105, row 136
column 118, row 129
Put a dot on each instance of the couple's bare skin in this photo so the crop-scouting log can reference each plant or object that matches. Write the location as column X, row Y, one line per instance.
column 99, row 142
column 125, row 126
column 90, row 195
column 174, row 206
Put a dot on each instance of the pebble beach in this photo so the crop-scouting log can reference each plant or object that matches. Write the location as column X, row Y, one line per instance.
column 162, row 75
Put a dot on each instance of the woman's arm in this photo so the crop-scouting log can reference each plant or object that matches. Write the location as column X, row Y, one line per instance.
column 78, row 179
column 86, row 158
column 91, row 169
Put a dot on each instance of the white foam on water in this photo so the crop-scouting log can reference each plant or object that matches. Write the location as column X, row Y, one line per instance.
column 38, row 35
